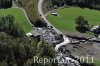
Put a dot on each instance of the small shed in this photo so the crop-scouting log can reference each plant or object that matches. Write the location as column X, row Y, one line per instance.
column 33, row 33
column 95, row 27
column 54, row 12
column 96, row 30
column 28, row 34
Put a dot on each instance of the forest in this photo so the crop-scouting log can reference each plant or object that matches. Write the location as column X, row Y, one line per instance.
column 95, row 4
column 5, row 4
column 16, row 49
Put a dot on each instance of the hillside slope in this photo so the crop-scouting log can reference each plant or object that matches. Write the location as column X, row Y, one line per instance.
column 47, row 5
column 31, row 8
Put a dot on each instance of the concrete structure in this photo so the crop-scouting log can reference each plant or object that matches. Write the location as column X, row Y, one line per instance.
column 32, row 33
column 95, row 27
column 55, row 14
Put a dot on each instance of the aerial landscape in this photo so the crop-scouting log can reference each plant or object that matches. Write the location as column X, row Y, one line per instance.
column 49, row 32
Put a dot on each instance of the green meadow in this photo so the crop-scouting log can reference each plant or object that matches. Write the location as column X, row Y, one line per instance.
column 19, row 17
column 66, row 18
column 97, row 62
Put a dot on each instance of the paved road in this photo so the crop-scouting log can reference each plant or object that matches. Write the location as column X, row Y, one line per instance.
column 66, row 40
column 43, row 16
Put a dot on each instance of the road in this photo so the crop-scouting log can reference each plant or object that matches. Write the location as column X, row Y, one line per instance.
column 66, row 40
column 14, row 6
column 43, row 16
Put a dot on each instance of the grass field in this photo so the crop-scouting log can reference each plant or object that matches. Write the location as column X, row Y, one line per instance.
column 97, row 62
column 66, row 19
column 19, row 17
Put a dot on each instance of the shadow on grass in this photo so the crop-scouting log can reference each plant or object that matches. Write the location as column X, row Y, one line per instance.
column 81, row 29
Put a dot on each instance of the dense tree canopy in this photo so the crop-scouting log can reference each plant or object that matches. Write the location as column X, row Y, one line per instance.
column 5, row 3
column 20, row 51
column 16, row 49
column 80, row 3
column 8, row 25
column 81, row 22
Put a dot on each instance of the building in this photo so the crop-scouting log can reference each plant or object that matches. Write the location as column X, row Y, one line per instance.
column 95, row 27
column 96, row 30
column 34, row 34
column 54, row 12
